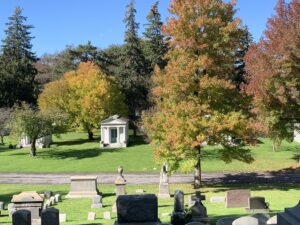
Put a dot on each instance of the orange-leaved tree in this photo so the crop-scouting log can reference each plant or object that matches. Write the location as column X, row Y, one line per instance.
column 195, row 99
column 87, row 95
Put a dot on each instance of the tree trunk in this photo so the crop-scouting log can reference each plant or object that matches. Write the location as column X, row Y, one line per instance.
column 33, row 148
column 91, row 135
column 274, row 146
column 197, row 174
column 2, row 142
column 134, row 130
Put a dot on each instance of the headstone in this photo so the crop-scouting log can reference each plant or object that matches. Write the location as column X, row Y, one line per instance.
column 52, row 199
column 114, row 208
column 83, row 187
column 57, row 197
column 246, row 220
column 137, row 209
column 217, row 199
column 178, row 215
column 261, row 217
column 62, row 217
column 31, row 201
column 50, row 216
column 164, row 191
column 257, row 205
column 290, row 216
column 21, row 217
column 237, row 198
column 272, row 220
column 139, row 191
column 120, row 182
column 106, row 215
column 47, row 194
column 1, row 205
column 11, row 209
column 96, row 202
column 199, row 213
column 226, row 221
column 91, row 216
column 48, row 203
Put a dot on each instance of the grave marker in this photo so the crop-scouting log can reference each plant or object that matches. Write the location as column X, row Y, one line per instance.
column 237, row 198
column 50, row 216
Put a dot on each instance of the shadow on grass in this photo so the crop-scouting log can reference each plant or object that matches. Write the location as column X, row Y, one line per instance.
column 138, row 140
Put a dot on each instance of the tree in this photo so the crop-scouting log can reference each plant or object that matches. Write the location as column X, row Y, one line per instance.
column 133, row 77
column 196, row 101
column 4, row 117
column 155, row 40
column 27, row 121
column 87, row 95
column 17, row 63
column 273, row 67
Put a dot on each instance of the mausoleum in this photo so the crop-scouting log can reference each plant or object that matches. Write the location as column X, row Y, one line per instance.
column 43, row 142
column 114, row 132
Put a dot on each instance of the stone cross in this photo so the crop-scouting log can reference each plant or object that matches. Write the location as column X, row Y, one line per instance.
column 21, row 217
column 50, row 216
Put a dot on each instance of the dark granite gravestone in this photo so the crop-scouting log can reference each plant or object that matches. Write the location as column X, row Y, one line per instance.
column 137, row 209
column 237, row 198
column 199, row 213
column 50, row 216
column 258, row 205
column 290, row 216
column 178, row 215
column 21, row 217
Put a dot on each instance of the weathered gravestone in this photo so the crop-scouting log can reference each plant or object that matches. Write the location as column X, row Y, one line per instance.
column 246, row 220
column 50, row 216
column 1, row 205
column 57, row 197
column 137, row 209
column 47, row 194
column 31, row 201
column 52, row 199
column 120, row 182
column 290, row 216
column 91, row 216
column 21, row 217
column 62, row 217
column 11, row 209
column 237, row 198
column 178, row 215
column 96, row 202
column 217, row 199
column 83, row 186
column 164, row 183
column 199, row 213
column 257, row 205
column 106, row 215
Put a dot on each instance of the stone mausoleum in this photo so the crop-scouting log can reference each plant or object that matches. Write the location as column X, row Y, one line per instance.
column 43, row 142
column 114, row 132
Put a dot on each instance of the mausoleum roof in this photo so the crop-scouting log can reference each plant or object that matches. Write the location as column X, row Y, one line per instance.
column 115, row 119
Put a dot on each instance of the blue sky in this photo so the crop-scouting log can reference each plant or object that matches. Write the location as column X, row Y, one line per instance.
column 71, row 22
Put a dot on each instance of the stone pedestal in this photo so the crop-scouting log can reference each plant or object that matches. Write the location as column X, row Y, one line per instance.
column 164, row 191
column 120, row 189
column 83, row 187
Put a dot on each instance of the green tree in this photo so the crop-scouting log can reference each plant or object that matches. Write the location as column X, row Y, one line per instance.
column 155, row 40
column 196, row 101
column 17, row 71
column 4, row 117
column 35, row 124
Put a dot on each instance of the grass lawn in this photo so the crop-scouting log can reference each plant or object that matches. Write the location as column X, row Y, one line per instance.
column 278, row 196
column 74, row 153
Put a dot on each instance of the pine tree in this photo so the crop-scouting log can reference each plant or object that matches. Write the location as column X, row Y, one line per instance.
column 133, row 76
column 17, row 62
column 155, row 44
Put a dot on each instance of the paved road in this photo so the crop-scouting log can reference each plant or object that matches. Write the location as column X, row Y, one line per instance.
column 153, row 178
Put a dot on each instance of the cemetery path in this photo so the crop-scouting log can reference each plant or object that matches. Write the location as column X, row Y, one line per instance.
column 153, row 178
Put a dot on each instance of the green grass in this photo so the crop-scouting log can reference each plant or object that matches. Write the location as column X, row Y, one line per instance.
column 74, row 153
column 279, row 197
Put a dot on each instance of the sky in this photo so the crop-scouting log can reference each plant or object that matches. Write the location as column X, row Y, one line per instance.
column 58, row 23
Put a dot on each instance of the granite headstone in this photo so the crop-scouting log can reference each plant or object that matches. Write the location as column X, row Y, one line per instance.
column 50, row 216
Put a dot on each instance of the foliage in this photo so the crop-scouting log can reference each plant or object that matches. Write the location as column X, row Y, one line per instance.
column 17, row 71
column 87, row 95
column 35, row 124
column 196, row 102
column 4, row 117
column 273, row 66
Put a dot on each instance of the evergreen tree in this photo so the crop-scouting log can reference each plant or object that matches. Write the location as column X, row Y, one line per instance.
column 17, row 62
column 133, row 76
column 156, row 48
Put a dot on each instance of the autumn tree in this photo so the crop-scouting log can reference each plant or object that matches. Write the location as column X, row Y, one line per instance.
column 87, row 95
column 17, row 71
column 196, row 101
column 273, row 67
column 35, row 124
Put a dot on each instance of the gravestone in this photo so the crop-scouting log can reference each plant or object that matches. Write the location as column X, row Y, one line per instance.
column 96, row 202
column 164, row 191
column 47, row 194
column 91, row 216
column 31, row 201
column 290, row 216
column 62, row 218
column 136, row 209
column 272, row 220
column 178, row 215
column 217, row 199
column 83, row 187
column 21, row 217
column 120, row 182
column 57, row 197
column 199, row 213
column 246, row 220
column 50, row 216
column 237, row 198
column 257, row 205
column 11, row 209
column 106, row 215
column 226, row 221
column 139, row 191
column 262, row 217
column 1, row 205
column 52, row 199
